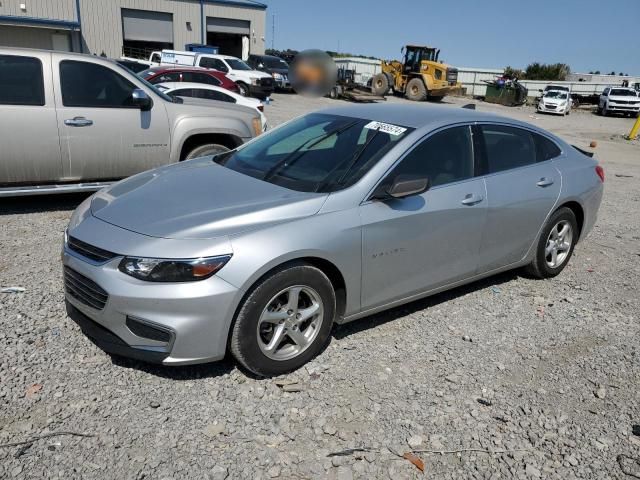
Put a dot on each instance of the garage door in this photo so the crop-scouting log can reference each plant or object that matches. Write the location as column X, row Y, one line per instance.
column 145, row 26
column 228, row 25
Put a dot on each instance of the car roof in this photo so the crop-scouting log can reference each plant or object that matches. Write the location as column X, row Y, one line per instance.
column 182, row 68
column 203, row 86
column 418, row 115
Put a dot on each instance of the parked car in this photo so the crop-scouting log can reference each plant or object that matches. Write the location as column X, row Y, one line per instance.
column 71, row 122
column 134, row 66
column 555, row 101
column 274, row 66
column 331, row 217
column 211, row 92
column 623, row 100
column 165, row 73
column 250, row 82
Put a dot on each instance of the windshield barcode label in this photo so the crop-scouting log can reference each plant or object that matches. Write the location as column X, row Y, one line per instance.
column 386, row 127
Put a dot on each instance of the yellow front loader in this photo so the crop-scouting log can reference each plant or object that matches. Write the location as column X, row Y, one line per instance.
column 420, row 77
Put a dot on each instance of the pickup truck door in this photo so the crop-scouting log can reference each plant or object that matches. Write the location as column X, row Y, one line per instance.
column 28, row 126
column 102, row 135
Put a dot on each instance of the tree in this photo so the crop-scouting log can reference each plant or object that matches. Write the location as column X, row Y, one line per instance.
column 543, row 71
column 597, row 72
column 510, row 72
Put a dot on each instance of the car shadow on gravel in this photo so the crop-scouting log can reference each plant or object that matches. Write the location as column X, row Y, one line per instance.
column 41, row 203
column 373, row 321
column 187, row 372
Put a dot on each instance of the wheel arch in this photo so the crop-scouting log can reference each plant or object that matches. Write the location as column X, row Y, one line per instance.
column 326, row 266
column 577, row 210
column 228, row 140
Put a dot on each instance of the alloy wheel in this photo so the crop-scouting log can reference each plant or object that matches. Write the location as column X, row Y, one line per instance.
column 290, row 322
column 559, row 244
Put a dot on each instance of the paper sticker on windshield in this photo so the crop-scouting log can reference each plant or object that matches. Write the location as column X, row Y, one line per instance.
column 386, row 127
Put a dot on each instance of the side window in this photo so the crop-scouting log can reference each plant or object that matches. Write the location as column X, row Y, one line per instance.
column 207, row 62
column 183, row 92
column 167, row 77
column 221, row 66
column 445, row 157
column 605, row 92
column 86, row 84
column 21, row 81
column 546, row 149
column 508, row 147
column 215, row 95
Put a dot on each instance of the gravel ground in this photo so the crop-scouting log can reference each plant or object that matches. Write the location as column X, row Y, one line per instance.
column 543, row 376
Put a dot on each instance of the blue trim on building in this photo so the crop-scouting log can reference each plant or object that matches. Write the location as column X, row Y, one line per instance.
column 43, row 22
column 240, row 3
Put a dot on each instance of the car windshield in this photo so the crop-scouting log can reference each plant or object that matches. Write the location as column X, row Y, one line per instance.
column 316, row 153
column 556, row 94
column 623, row 93
column 236, row 64
column 275, row 63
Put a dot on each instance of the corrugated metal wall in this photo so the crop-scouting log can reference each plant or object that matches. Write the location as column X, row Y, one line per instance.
column 26, row 37
column 473, row 79
column 51, row 9
column 102, row 22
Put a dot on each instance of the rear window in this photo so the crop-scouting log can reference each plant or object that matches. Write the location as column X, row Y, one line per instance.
column 21, row 81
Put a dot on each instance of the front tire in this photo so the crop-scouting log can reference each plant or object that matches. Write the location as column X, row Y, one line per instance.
column 380, row 84
column 284, row 321
column 555, row 246
column 243, row 89
column 416, row 91
column 205, row 150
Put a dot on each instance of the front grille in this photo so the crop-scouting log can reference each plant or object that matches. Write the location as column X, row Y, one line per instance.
column 266, row 82
column 625, row 102
column 89, row 251
column 452, row 75
column 551, row 107
column 84, row 290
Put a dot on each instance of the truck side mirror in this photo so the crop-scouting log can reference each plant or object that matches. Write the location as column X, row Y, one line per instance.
column 140, row 99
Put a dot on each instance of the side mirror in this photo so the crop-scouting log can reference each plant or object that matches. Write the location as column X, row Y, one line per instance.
column 407, row 185
column 402, row 186
column 140, row 99
column 540, row 90
column 261, row 65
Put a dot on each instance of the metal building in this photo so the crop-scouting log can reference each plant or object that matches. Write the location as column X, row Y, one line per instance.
column 133, row 27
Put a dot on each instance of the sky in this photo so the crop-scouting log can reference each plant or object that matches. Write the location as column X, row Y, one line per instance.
column 586, row 34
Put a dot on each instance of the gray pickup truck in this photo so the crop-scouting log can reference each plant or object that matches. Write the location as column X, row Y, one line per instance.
column 72, row 122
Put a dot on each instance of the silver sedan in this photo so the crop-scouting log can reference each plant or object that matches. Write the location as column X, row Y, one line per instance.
column 328, row 218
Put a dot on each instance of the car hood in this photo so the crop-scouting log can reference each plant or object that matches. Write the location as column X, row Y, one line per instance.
column 204, row 105
column 252, row 73
column 623, row 98
column 199, row 199
column 554, row 101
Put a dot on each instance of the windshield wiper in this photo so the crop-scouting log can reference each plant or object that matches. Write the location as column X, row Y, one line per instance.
column 352, row 163
column 289, row 160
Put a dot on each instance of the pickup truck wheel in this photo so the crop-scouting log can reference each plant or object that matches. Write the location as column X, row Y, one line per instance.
column 206, row 150
column 243, row 89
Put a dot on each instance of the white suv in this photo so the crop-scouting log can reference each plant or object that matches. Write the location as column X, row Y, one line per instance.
column 250, row 82
column 619, row 100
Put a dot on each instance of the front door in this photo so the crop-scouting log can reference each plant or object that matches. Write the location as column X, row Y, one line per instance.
column 422, row 242
column 523, row 185
column 104, row 136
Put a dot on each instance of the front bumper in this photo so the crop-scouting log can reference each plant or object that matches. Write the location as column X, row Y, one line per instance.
column 552, row 108
column 613, row 107
column 197, row 315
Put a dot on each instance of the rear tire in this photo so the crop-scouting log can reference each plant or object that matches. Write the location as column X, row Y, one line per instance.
column 272, row 308
column 380, row 84
column 416, row 91
column 205, row 150
column 555, row 246
column 333, row 93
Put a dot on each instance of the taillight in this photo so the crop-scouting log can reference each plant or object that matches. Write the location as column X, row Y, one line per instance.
column 600, row 172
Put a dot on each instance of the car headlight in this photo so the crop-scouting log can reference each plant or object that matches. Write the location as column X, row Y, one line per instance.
column 164, row 270
column 255, row 81
column 277, row 75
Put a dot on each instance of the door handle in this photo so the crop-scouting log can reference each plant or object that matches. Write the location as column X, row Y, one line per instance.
column 472, row 199
column 78, row 122
column 544, row 182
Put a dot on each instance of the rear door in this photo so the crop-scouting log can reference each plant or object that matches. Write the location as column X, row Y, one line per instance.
column 103, row 135
column 28, row 126
column 523, row 186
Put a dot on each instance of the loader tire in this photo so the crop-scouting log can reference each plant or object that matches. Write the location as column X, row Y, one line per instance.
column 380, row 84
column 416, row 91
